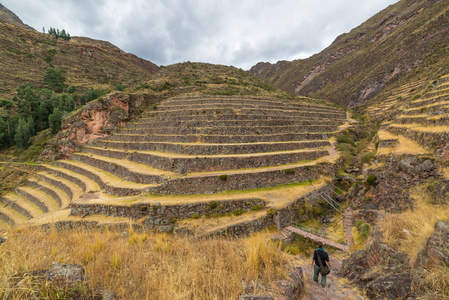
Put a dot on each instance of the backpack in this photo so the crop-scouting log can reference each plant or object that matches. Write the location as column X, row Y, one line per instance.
column 323, row 270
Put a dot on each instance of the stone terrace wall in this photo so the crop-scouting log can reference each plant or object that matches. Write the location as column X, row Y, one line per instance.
column 208, row 149
column 241, row 181
column 222, row 139
column 281, row 219
column 230, row 130
column 157, row 214
column 190, row 164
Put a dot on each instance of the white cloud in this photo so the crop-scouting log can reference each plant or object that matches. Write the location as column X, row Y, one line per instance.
column 232, row 32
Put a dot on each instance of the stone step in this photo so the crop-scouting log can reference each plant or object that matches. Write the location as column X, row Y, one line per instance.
column 216, row 182
column 4, row 225
column 227, row 117
column 438, row 91
column 57, row 194
column 116, row 162
column 179, row 163
column 172, row 114
column 238, row 106
column 240, row 100
column 156, row 212
column 230, row 123
column 10, row 216
column 425, row 138
column 210, row 149
column 22, row 205
column 428, row 101
column 112, row 184
column 73, row 190
column 230, row 130
column 45, row 202
column 436, row 109
column 220, row 139
column 85, row 183
column 425, row 121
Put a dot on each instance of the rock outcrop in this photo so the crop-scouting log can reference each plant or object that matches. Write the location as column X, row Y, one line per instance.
column 65, row 280
column 97, row 119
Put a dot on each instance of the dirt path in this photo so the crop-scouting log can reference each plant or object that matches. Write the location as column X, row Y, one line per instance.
column 336, row 288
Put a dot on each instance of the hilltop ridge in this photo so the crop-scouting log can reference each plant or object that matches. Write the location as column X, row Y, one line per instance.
column 399, row 43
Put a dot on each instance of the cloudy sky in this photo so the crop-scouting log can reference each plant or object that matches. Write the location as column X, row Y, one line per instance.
column 230, row 32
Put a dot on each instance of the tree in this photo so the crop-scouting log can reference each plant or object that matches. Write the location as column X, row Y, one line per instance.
column 4, row 139
column 55, row 120
column 22, row 136
column 54, row 79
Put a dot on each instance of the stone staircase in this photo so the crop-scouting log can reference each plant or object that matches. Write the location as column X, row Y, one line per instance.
column 424, row 120
column 202, row 145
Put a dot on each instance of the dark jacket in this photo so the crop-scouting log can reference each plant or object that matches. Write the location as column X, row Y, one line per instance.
column 323, row 255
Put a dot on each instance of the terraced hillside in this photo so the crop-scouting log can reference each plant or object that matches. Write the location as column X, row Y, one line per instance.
column 189, row 156
column 424, row 120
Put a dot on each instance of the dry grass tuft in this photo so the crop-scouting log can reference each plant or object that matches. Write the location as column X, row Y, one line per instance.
column 437, row 280
column 139, row 266
column 409, row 231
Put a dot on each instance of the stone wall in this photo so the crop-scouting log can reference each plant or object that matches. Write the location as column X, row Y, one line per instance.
column 241, row 181
column 219, row 139
column 229, row 130
column 288, row 214
column 115, row 169
column 210, row 149
column 16, row 207
column 157, row 213
column 110, row 189
column 248, row 122
column 64, row 175
column 33, row 199
column 46, row 190
column 59, row 184
column 189, row 164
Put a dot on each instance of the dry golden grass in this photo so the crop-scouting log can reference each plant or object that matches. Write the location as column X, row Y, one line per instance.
column 445, row 172
column 436, row 282
column 142, row 266
column 419, row 223
column 405, row 146
column 423, row 128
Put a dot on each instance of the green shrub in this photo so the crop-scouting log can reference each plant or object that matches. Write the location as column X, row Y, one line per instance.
column 377, row 145
column 423, row 109
column 347, row 148
column 367, row 157
column 213, row 205
column 271, row 211
column 344, row 139
column 257, row 207
column 417, row 96
column 364, row 231
column 371, row 180
column 239, row 212
column 223, row 177
column 196, row 216
column 289, row 171
column 6, row 103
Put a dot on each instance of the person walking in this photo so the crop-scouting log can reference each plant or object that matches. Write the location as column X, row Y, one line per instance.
column 320, row 263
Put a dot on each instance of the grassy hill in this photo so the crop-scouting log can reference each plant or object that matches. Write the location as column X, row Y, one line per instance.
column 26, row 54
column 406, row 41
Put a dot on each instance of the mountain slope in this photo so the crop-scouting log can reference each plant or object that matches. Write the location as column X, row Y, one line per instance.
column 26, row 54
column 404, row 39
column 10, row 17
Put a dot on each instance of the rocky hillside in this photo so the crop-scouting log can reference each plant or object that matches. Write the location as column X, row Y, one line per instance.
column 405, row 41
column 26, row 54
column 8, row 16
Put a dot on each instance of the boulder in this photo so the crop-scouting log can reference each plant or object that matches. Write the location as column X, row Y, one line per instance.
column 393, row 286
column 65, row 275
column 436, row 250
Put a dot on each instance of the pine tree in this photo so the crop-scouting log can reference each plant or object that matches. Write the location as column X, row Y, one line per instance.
column 55, row 121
